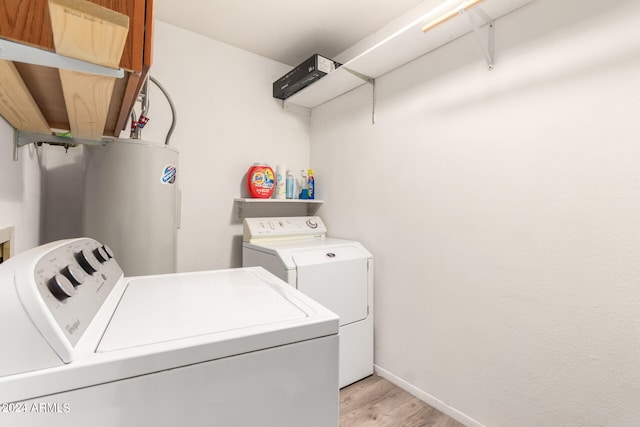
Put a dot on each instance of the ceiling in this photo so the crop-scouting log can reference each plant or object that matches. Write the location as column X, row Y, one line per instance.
column 286, row 31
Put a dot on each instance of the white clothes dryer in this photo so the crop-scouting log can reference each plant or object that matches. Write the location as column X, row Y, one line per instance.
column 336, row 273
column 84, row 345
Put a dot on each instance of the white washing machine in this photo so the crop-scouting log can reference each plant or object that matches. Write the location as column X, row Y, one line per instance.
column 83, row 345
column 334, row 272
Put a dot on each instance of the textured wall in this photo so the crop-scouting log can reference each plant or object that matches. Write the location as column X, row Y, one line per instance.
column 503, row 209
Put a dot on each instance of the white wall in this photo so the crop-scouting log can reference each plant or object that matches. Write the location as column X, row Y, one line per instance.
column 503, row 209
column 19, row 191
column 227, row 120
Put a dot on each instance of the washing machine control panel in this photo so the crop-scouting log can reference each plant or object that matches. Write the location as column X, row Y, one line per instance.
column 292, row 227
column 70, row 281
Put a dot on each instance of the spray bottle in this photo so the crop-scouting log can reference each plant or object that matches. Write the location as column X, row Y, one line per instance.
column 311, row 187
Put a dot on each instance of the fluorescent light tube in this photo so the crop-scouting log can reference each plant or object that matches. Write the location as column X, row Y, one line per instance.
column 450, row 14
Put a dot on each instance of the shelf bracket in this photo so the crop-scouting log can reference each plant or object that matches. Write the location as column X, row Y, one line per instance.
column 18, row 52
column 372, row 82
column 22, row 138
column 297, row 109
column 486, row 49
column 367, row 79
column 15, row 146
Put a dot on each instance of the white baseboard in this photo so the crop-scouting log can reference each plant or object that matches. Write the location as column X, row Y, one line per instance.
column 427, row 398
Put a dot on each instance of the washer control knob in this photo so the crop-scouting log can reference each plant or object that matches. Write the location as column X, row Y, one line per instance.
column 61, row 287
column 74, row 274
column 312, row 223
column 87, row 261
column 101, row 255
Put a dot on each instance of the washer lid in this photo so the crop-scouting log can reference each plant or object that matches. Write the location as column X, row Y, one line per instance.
column 156, row 309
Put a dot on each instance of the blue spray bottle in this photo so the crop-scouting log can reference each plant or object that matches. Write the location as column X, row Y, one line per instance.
column 311, row 185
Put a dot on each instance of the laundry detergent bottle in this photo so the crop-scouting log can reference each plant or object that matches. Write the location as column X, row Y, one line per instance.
column 260, row 181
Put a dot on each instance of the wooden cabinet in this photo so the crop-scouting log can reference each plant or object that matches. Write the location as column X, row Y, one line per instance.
column 28, row 22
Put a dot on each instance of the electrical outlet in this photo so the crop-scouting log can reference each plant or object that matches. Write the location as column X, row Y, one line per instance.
column 6, row 243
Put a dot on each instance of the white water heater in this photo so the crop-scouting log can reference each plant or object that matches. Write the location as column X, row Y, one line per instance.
column 131, row 203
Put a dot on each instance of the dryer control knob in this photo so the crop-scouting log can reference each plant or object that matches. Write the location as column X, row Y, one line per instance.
column 312, row 224
column 101, row 255
column 61, row 287
column 74, row 274
column 87, row 261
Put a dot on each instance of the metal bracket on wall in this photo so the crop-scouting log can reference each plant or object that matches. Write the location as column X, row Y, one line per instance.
column 17, row 52
column 296, row 108
column 372, row 82
column 22, row 138
column 486, row 49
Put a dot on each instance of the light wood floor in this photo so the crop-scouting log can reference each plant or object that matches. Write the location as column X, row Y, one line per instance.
column 375, row 402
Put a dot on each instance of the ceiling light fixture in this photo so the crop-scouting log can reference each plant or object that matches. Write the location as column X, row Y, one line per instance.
column 458, row 9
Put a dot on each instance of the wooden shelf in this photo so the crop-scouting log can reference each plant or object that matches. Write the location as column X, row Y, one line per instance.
column 42, row 107
column 394, row 45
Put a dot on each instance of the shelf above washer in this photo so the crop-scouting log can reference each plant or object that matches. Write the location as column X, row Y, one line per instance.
column 249, row 207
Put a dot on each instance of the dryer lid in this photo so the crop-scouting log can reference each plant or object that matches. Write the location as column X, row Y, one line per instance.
column 286, row 250
column 338, row 278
